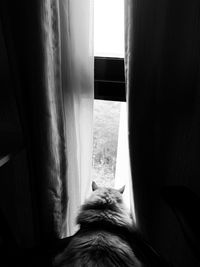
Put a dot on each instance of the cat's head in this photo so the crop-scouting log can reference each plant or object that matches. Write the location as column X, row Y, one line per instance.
column 96, row 187
column 105, row 196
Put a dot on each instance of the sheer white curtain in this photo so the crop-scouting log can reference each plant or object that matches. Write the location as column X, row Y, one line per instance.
column 78, row 93
column 123, row 172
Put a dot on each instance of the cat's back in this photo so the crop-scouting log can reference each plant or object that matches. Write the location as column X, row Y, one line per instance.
column 98, row 248
column 102, row 238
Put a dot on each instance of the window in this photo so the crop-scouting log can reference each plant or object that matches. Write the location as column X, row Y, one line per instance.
column 109, row 79
column 109, row 49
column 105, row 141
column 110, row 141
column 109, row 28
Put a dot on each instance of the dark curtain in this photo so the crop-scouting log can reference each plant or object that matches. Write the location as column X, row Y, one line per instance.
column 32, row 36
column 163, row 91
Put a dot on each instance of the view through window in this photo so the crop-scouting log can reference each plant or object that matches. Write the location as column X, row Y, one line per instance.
column 110, row 139
column 109, row 28
column 105, row 141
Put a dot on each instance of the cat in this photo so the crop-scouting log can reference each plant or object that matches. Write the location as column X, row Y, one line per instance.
column 102, row 239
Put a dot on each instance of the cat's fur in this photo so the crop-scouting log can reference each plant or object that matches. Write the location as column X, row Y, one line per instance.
column 100, row 241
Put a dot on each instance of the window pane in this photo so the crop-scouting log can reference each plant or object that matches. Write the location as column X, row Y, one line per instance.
column 110, row 147
column 109, row 28
column 105, row 139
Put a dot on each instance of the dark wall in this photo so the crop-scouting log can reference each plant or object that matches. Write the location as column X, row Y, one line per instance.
column 15, row 197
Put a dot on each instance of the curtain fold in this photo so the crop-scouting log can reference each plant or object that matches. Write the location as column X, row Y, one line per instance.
column 32, row 36
column 162, row 62
column 49, row 44
column 78, row 94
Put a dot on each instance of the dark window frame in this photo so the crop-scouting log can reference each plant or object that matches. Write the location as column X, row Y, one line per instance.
column 109, row 80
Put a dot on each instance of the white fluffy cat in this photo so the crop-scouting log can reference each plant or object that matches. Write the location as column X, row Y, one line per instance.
column 103, row 236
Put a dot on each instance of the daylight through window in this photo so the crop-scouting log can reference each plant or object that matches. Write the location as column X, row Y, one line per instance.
column 109, row 28
column 110, row 139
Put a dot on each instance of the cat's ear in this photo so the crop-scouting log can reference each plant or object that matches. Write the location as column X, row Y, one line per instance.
column 121, row 190
column 94, row 186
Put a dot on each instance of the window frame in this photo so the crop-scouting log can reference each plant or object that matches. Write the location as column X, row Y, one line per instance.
column 109, row 79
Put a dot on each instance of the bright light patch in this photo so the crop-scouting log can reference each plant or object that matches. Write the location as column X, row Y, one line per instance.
column 109, row 28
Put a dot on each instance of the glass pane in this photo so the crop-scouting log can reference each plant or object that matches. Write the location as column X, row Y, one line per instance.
column 105, row 139
column 109, row 28
column 111, row 166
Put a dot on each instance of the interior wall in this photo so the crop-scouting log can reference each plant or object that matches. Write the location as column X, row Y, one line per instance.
column 15, row 194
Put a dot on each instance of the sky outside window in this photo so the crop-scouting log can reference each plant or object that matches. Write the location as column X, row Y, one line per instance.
column 109, row 28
